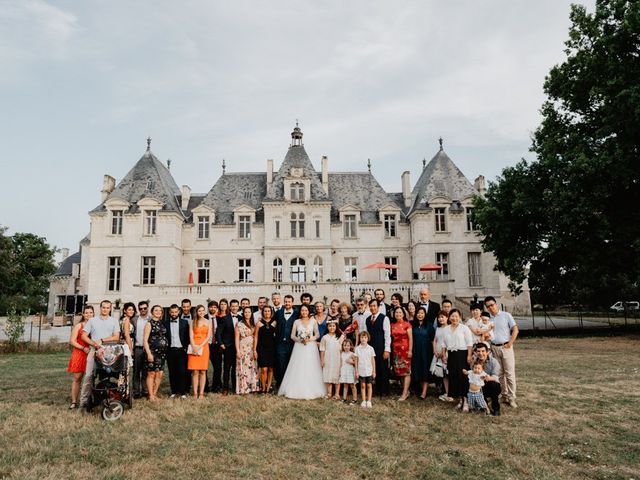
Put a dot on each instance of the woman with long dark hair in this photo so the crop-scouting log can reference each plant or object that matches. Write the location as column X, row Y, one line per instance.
column 423, row 335
column 458, row 342
column 198, row 358
column 246, row 369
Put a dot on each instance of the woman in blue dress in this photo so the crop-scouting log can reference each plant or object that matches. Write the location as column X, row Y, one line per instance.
column 423, row 334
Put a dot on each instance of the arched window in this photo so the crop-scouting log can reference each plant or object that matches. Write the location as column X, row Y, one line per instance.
column 318, row 270
column 297, row 225
column 297, row 192
column 277, row 270
column 298, row 270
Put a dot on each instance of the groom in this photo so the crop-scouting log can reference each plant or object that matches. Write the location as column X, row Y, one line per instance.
column 284, row 345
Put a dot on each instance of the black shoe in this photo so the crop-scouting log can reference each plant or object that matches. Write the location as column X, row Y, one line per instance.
column 496, row 413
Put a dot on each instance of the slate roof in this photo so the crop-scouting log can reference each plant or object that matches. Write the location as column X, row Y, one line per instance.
column 233, row 190
column 441, row 177
column 361, row 190
column 296, row 157
column 66, row 267
column 149, row 177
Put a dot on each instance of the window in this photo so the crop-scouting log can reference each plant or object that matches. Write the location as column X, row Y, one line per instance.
column 441, row 223
column 150, row 222
column 297, row 192
column 244, row 269
column 116, row 222
column 350, row 269
column 317, row 228
column 297, row 225
column 203, row 267
column 470, row 226
column 203, row 227
column 475, row 277
column 277, row 270
column 442, row 259
column 113, row 279
column 349, row 226
column 393, row 272
column 318, row 270
column 389, row 226
column 277, row 228
column 244, row 226
column 298, row 270
column 148, row 271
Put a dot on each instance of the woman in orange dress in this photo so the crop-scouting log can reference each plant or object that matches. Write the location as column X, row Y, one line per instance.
column 198, row 362
column 78, row 361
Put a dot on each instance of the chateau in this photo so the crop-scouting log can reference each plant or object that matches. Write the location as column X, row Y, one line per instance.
column 291, row 229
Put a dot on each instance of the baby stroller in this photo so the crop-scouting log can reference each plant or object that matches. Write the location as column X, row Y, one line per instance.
column 110, row 387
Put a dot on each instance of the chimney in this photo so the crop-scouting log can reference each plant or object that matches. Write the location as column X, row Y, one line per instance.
column 186, row 196
column 65, row 253
column 108, row 186
column 269, row 172
column 406, row 188
column 480, row 186
column 325, row 174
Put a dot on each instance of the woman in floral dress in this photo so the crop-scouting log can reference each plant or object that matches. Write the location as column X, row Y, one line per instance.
column 402, row 347
column 246, row 369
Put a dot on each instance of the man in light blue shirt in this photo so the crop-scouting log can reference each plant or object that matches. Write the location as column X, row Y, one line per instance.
column 103, row 328
column 505, row 332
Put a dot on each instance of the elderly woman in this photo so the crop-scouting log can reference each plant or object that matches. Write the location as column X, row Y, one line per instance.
column 321, row 318
column 155, row 346
column 458, row 342
column 345, row 321
column 423, row 335
column 402, row 347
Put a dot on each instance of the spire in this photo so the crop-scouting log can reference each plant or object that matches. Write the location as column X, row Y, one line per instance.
column 424, row 163
column 168, row 164
column 440, row 142
column 224, row 166
column 148, row 144
column 296, row 136
column 369, row 164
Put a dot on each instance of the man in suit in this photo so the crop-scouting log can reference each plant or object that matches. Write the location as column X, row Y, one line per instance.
column 430, row 306
column 226, row 340
column 214, row 354
column 178, row 338
column 379, row 329
column 284, row 345
column 307, row 299
column 385, row 308
column 139, row 356
column 276, row 301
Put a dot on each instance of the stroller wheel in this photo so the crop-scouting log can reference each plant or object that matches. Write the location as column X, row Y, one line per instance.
column 112, row 410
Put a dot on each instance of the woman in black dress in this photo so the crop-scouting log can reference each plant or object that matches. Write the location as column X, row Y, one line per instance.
column 155, row 346
column 264, row 347
column 423, row 335
column 344, row 323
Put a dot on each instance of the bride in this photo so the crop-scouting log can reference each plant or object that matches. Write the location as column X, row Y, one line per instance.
column 303, row 378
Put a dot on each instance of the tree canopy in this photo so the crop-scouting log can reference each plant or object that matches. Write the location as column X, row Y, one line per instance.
column 26, row 264
column 570, row 220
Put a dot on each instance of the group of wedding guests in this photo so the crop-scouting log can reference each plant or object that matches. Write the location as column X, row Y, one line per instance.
column 348, row 352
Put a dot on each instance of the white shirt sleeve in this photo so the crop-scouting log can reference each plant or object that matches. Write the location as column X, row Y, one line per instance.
column 386, row 326
column 468, row 336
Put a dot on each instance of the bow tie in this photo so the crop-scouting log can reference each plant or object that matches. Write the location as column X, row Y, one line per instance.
column 174, row 320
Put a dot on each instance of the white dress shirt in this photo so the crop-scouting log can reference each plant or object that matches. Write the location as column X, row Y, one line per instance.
column 457, row 339
column 175, row 333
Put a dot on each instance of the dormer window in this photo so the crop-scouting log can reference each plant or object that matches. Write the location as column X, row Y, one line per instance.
column 297, row 192
column 441, row 219
column 349, row 224
column 244, row 226
column 150, row 222
column 116, row 222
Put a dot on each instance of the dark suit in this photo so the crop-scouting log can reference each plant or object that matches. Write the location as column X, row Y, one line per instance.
column 177, row 357
column 226, row 340
column 215, row 356
column 432, row 312
column 284, row 344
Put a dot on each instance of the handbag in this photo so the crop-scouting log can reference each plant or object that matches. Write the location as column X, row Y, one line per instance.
column 191, row 351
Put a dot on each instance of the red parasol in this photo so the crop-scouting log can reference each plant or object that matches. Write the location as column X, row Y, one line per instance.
column 384, row 266
column 430, row 267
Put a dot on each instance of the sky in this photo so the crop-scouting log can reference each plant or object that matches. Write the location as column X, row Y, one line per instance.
column 83, row 84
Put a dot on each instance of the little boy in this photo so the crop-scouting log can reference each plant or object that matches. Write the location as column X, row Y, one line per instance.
column 365, row 368
column 475, row 398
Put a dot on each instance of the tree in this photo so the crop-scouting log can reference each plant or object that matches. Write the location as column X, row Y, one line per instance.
column 26, row 263
column 570, row 221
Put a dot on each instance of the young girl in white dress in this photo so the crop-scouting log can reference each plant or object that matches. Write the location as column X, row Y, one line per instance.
column 348, row 371
column 330, row 359
column 303, row 378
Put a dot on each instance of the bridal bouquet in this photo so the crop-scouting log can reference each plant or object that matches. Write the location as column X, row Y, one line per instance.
column 303, row 336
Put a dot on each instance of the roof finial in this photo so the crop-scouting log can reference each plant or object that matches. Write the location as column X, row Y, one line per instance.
column 296, row 122
column 168, row 164
column 148, row 144
column 369, row 164
column 224, row 166
column 424, row 163
column 440, row 142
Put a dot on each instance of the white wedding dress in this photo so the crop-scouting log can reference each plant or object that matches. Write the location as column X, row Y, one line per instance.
column 303, row 378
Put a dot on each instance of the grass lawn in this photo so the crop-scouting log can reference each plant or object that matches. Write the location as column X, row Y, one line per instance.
column 578, row 417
